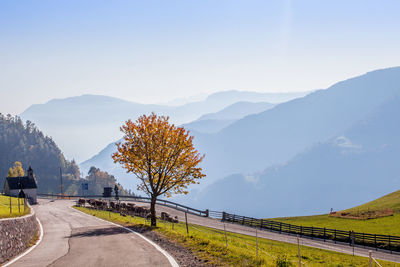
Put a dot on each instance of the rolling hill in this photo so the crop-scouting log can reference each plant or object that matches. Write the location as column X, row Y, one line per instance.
column 386, row 225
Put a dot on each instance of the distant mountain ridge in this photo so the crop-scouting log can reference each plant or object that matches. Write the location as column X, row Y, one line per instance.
column 237, row 111
column 358, row 164
column 215, row 122
column 83, row 125
column 276, row 135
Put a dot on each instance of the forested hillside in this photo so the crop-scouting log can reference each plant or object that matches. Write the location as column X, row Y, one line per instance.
column 25, row 143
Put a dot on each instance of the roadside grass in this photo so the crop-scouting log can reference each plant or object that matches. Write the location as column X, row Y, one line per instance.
column 210, row 244
column 15, row 212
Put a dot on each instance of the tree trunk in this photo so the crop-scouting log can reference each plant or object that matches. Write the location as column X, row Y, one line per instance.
column 153, row 210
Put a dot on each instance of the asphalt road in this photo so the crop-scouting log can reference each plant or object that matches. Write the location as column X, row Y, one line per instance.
column 235, row 228
column 72, row 238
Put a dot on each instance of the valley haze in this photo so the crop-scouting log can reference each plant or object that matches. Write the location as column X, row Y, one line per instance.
column 311, row 149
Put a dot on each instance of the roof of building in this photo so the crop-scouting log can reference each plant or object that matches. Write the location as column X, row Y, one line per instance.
column 25, row 182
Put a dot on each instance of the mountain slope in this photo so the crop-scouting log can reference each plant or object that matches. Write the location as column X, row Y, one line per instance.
column 27, row 144
column 276, row 135
column 207, row 126
column 358, row 164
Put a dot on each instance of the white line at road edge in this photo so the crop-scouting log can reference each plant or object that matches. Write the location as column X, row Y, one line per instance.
column 171, row 260
column 31, row 248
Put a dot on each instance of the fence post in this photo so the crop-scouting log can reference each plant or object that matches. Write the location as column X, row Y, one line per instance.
column 207, row 213
column 312, row 232
column 350, row 238
column 376, row 247
column 187, row 227
column 280, row 227
column 10, row 206
column 364, row 240
column 335, row 237
column 298, row 249
column 223, row 216
column 256, row 244
column 390, row 247
column 324, row 234
column 226, row 239
column 261, row 223
column 370, row 258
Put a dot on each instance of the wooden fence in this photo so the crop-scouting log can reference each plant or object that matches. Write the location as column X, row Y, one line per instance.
column 386, row 242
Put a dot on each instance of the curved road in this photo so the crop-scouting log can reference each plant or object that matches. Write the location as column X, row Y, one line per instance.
column 72, row 238
column 317, row 243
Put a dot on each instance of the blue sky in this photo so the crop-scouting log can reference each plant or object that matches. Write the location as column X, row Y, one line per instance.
column 152, row 51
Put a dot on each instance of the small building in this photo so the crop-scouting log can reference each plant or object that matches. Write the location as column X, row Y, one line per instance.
column 22, row 186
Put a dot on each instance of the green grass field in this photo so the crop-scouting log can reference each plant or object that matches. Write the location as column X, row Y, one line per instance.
column 5, row 207
column 210, row 244
column 390, row 201
column 386, row 225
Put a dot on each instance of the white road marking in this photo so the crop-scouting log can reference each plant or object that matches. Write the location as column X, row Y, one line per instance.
column 171, row 260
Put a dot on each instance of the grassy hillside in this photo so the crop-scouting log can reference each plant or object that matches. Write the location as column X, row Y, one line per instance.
column 390, row 201
column 15, row 212
column 209, row 244
column 386, row 225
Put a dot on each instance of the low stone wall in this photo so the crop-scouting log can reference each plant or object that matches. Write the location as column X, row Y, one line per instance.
column 16, row 234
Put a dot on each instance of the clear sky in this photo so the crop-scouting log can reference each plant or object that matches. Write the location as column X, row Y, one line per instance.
column 151, row 51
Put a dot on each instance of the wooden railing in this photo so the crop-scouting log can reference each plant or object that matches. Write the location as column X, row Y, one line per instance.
column 386, row 242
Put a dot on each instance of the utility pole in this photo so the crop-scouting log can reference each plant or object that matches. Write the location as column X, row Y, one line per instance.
column 61, row 183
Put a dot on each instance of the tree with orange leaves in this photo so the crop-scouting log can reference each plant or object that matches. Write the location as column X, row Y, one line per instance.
column 161, row 155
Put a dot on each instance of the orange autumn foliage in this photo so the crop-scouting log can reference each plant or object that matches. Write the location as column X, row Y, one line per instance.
column 160, row 154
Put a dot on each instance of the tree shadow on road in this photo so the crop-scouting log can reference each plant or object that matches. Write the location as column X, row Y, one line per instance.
column 82, row 232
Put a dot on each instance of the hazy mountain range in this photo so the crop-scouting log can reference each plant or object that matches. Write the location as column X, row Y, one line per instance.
column 278, row 134
column 357, row 165
column 214, row 122
column 332, row 148
column 83, row 125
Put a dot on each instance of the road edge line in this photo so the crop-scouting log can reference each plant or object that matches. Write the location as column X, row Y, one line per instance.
column 171, row 259
column 31, row 248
